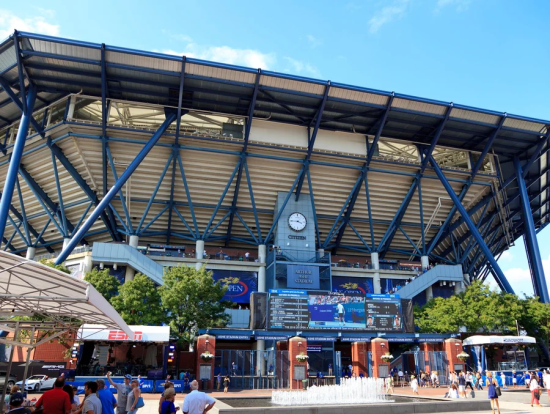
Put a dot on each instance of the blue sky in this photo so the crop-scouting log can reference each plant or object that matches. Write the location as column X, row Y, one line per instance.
column 493, row 54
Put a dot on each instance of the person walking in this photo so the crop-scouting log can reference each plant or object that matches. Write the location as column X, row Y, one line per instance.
column 414, row 384
column 514, row 380
column 534, row 387
column 492, row 385
column 479, row 386
column 330, row 369
column 389, row 385
column 470, row 380
column 91, row 404
column 133, row 397
column 197, row 402
column 462, row 385
column 226, row 382
column 108, row 400
column 122, row 391
column 55, row 401
column 218, row 381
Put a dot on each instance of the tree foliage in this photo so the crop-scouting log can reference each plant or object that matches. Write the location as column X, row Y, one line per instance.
column 480, row 310
column 60, row 267
column 193, row 301
column 105, row 283
column 138, row 302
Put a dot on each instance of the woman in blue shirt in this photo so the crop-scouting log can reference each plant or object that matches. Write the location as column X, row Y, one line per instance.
column 168, row 406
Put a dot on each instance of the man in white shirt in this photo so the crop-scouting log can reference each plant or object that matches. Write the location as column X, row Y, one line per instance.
column 400, row 375
column 341, row 312
column 197, row 402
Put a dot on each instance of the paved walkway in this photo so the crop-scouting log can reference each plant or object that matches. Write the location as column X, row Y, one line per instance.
column 511, row 402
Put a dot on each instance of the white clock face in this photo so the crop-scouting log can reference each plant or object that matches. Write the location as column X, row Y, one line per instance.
column 297, row 221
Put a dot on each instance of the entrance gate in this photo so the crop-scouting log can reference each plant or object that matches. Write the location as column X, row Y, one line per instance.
column 250, row 369
column 414, row 362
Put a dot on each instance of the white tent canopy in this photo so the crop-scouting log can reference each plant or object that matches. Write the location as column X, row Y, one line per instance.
column 498, row 340
column 28, row 288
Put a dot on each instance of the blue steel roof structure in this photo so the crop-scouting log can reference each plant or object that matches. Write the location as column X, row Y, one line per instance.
column 59, row 67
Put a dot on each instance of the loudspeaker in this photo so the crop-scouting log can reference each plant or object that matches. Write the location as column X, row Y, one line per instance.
column 258, row 310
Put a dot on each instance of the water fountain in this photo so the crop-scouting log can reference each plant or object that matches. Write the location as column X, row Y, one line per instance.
column 350, row 391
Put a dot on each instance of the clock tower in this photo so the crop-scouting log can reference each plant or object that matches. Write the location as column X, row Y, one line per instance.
column 295, row 230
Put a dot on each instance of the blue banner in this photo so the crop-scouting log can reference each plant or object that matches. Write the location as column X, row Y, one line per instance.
column 352, row 285
column 355, row 339
column 159, row 385
column 302, row 277
column 239, row 284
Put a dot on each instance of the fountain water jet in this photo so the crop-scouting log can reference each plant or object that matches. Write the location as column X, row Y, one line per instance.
column 350, row 391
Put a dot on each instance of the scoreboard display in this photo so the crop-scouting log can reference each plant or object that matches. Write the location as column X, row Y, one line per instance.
column 383, row 313
column 298, row 309
column 288, row 309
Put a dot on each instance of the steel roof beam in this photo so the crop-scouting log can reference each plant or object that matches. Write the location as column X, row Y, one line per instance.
column 19, row 217
column 501, row 278
column 175, row 151
column 385, row 243
column 170, row 117
column 370, row 152
column 91, row 194
column 311, row 140
column 465, row 189
column 535, row 260
column 242, row 159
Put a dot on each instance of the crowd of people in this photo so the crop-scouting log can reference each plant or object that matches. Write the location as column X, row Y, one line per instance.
column 98, row 399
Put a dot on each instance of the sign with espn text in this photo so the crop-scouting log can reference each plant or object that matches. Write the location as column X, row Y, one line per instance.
column 141, row 334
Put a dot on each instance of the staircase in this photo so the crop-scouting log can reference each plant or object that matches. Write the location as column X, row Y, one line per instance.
column 436, row 274
column 126, row 255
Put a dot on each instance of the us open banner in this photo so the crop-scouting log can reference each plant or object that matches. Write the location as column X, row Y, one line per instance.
column 239, row 284
column 352, row 285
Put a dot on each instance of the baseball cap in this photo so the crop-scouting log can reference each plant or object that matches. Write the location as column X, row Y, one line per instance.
column 16, row 398
column 128, row 376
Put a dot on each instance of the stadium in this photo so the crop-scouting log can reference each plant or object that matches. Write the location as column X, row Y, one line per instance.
column 135, row 161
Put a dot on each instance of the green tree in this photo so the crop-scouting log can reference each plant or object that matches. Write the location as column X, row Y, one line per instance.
column 105, row 283
column 138, row 302
column 535, row 320
column 193, row 301
column 477, row 310
column 60, row 267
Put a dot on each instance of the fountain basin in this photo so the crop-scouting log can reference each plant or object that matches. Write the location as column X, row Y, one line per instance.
column 402, row 405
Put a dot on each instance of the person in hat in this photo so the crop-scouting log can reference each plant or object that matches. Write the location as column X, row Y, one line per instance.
column 122, row 392
column 16, row 402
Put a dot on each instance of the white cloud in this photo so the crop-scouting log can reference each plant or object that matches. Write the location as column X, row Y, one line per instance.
column 387, row 14
column 225, row 54
column 244, row 57
column 36, row 24
column 506, row 256
column 459, row 5
column 302, row 68
column 520, row 278
column 313, row 41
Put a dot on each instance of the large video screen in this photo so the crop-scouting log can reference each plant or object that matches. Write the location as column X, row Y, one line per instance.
column 297, row 309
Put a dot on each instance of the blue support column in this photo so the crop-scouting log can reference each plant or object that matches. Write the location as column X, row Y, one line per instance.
column 170, row 117
column 501, row 279
column 537, row 271
column 17, row 153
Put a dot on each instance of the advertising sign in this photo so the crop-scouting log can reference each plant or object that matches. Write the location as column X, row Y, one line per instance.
column 239, row 284
column 142, row 333
column 352, row 285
